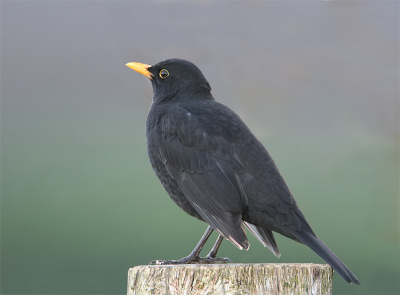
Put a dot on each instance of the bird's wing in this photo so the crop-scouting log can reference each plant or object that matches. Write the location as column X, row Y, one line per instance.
column 206, row 170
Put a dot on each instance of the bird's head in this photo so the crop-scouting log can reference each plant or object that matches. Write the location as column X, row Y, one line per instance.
column 174, row 78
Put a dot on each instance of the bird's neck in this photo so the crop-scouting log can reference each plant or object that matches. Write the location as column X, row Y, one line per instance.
column 197, row 93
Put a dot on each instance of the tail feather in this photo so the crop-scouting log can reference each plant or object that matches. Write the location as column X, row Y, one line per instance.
column 265, row 236
column 326, row 254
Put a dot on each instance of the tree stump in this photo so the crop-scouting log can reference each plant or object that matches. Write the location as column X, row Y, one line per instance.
column 262, row 278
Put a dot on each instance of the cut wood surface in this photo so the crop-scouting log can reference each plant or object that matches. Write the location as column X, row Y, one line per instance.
column 262, row 278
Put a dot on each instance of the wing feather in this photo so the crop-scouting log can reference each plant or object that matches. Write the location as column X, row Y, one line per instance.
column 206, row 169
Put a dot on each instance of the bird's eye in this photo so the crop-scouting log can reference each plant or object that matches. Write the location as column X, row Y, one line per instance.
column 164, row 74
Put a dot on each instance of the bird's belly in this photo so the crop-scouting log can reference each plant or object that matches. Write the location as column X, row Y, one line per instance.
column 170, row 185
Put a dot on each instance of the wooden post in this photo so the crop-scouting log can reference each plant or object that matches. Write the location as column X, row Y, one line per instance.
column 263, row 278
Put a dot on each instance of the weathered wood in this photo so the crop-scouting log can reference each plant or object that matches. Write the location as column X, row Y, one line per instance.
column 265, row 278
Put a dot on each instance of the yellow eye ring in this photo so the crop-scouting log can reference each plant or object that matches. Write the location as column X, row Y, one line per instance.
column 164, row 74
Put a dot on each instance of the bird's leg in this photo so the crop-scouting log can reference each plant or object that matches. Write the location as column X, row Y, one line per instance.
column 214, row 250
column 213, row 253
column 194, row 256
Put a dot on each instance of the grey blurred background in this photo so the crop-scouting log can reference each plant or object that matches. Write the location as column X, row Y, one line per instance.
column 317, row 82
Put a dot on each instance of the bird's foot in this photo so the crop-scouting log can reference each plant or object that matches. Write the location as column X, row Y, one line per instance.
column 217, row 260
column 192, row 260
column 185, row 260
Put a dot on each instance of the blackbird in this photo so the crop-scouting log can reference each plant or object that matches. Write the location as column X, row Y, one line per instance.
column 216, row 170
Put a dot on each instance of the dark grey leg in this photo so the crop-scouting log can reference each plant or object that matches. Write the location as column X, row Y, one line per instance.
column 194, row 257
column 213, row 253
column 214, row 250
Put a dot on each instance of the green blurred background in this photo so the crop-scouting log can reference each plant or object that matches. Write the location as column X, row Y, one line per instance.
column 317, row 82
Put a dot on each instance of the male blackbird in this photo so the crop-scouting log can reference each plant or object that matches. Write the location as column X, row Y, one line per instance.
column 216, row 170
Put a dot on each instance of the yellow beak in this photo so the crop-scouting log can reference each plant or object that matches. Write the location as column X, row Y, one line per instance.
column 141, row 68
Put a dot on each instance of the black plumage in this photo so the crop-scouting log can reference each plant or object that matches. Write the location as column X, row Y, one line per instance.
column 216, row 170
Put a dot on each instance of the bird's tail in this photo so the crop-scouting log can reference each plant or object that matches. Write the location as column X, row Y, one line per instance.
column 265, row 236
column 326, row 254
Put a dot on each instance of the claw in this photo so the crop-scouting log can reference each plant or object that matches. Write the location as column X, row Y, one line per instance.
column 194, row 257
column 156, row 262
column 192, row 260
column 216, row 260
